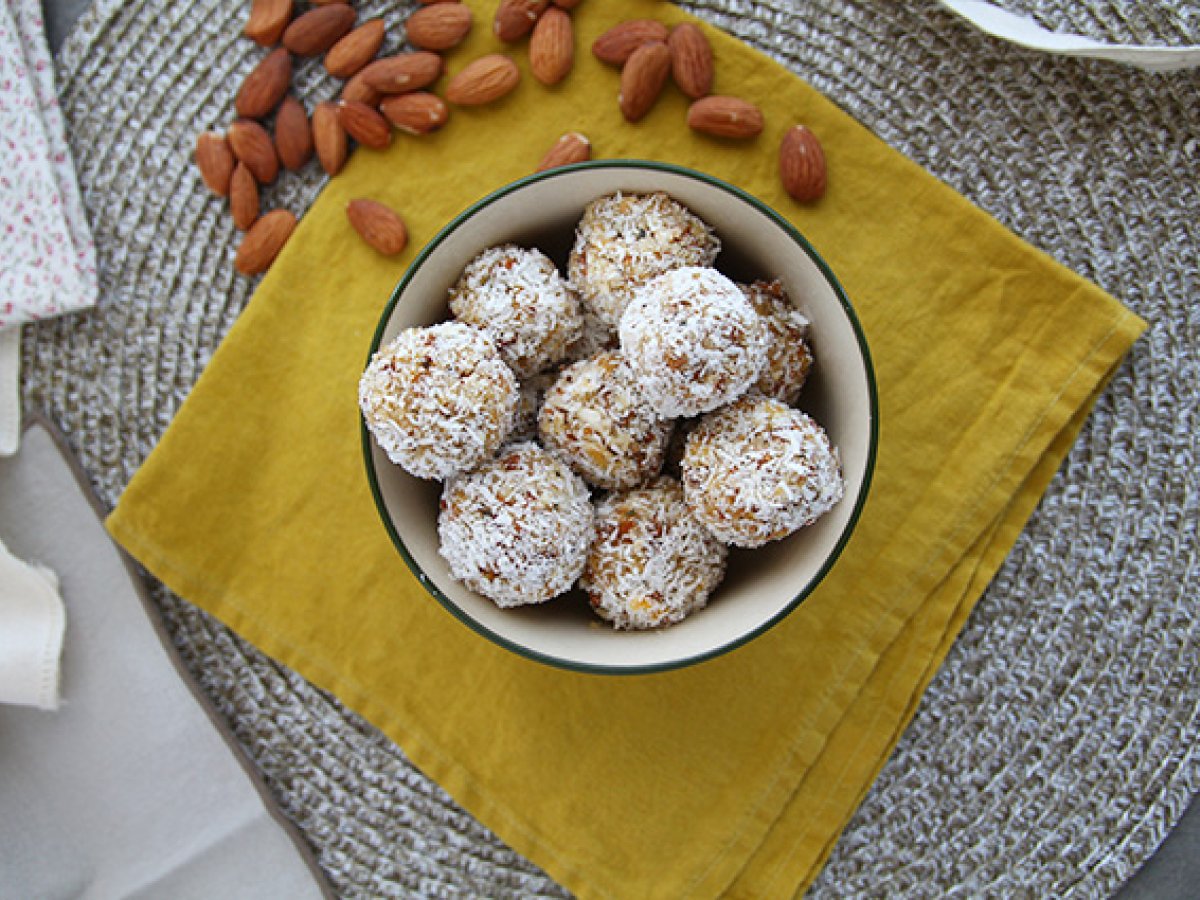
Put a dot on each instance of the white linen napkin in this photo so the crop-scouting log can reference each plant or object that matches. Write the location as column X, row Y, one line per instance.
column 32, row 622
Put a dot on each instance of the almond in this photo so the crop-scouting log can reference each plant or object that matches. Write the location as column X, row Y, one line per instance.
column 439, row 27
column 572, row 147
column 215, row 160
column 252, row 145
column 403, row 72
column 617, row 44
column 329, row 138
column 358, row 89
column 802, row 164
column 691, row 60
column 642, row 79
column 263, row 242
column 729, row 117
column 243, row 197
column 516, row 18
column 267, row 21
column 265, row 86
column 483, row 80
column 378, row 225
column 293, row 134
column 417, row 113
column 364, row 124
column 552, row 47
column 355, row 50
column 318, row 29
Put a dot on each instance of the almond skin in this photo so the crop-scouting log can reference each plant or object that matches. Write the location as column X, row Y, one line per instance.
column 355, row 50
column 617, row 44
column 691, row 60
column 263, row 242
column 252, row 145
column 243, row 198
column 566, row 4
column 552, row 47
column 727, row 117
column 318, row 29
column 215, row 160
column 265, row 86
column 379, row 225
column 802, row 165
column 572, row 147
column 484, row 80
column 403, row 72
column 267, row 21
column 329, row 138
column 417, row 113
column 642, row 79
column 365, row 124
column 516, row 18
column 439, row 27
column 293, row 134
column 358, row 89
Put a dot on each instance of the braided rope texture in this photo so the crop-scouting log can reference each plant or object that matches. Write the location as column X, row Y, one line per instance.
column 1058, row 744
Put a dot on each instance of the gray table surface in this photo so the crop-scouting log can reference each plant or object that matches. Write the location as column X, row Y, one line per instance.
column 1173, row 873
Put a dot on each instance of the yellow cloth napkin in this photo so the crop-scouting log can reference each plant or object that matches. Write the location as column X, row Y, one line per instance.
column 735, row 775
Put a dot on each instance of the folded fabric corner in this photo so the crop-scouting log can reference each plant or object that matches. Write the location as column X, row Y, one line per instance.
column 32, row 625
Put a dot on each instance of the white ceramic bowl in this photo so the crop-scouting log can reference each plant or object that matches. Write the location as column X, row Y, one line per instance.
column 763, row 585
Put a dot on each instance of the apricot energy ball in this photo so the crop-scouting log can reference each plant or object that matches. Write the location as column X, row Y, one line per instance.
column 518, row 528
column 758, row 470
column 789, row 357
column 517, row 296
column 693, row 341
column 438, row 399
column 594, row 416
column 624, row 240
column 652, row 563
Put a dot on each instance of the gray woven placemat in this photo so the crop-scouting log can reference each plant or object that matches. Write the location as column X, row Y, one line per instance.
column 1056, row 747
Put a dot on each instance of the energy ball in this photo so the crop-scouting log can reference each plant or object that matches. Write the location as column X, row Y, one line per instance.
column 789, row 356
column 438, row 399
column 758, row 470
column 624, row 240
column 652, row 563
column 518, row 297
column 693, row 340
column 518, row 528
column 594, row 416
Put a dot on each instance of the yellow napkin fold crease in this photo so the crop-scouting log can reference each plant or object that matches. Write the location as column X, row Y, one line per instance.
column 733, row 776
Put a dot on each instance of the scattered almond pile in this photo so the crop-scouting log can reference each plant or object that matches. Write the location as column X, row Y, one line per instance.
column 273, row 128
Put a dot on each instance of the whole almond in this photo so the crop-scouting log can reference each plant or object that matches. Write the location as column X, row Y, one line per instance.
column 403, row 72
column 642, row 79
column 484, row 80
column 267, row 21
column 263, row 241
column 516, row 18
column 252, row 145
column 378, row 225
column 617, row 44
column 365, row 124
column 358, row 89
column 728, row 117
column 243, row 197
column 572, row 147
column 417, row 113
column 439, row 27
column 802, row 164
column 552, row 47
column 265, row 86
column 215, row 160
column 329, row 138
column 355, row 50
column 293, row 134
column 317, row 30
column 691, row 60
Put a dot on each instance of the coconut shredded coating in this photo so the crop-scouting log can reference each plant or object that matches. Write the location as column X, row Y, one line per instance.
column 531, row 390
column 438, row 399
column 518, row 528
column 596, row 337
column 652, row 564
column 789, row 357
column 693, row 340
column 759, row 470
column 594, row 416
column 624, row 240
column 519, row 298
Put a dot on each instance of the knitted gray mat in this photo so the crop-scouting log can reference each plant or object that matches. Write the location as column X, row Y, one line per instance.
column 1058, row 744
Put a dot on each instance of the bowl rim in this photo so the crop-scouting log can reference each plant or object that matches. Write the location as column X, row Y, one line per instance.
column 847, row 531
